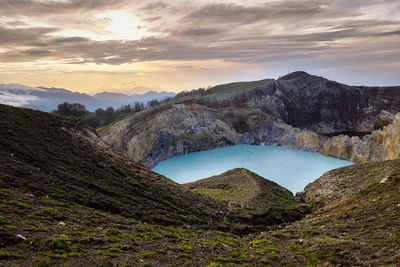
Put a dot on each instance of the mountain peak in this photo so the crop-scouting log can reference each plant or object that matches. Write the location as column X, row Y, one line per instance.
column 295, row 75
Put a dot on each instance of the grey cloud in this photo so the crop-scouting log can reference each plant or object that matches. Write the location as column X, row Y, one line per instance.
column 70, row 40
column 18, row 87
column 37, row 52
column 19, row 36
column 155, row 6
column 249, row 40
column 169, row 49
column 16, row 100
column 231, row 13
column 153, row 19
column 227, row 13
column 360, row 23
column 17, row 23
column 32, row 7
column 199, row 31
column 325, row 36
column 254, row 49
column 388, row 33
column 81, row 15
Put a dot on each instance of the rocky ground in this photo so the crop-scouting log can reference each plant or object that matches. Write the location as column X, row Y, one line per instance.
column 67, row 199
column 57, row 174
column 63, row 158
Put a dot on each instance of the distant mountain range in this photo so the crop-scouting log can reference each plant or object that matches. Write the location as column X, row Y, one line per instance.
column 119, row 99
column 47, row 99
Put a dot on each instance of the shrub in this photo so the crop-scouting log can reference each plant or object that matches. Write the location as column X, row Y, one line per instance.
column 49, row 211
column 44, row 262
column 145, row 254
column 10, row 255
column 151, row 235
column 86, row 239
column 39, row 228
column 113, row 232
column 21, row 205
column 118, row 170
column 4, row 221
column 61, row 243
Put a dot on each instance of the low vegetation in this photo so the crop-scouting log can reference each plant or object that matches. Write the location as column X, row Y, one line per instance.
column 251, row 198
column 66, row 199
column 101, row 117
column 218, row 90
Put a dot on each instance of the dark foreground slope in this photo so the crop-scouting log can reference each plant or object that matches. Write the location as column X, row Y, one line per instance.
column 251, row 198
column 59, row 157
column 360, row 230
column 74, row 205
column 355, row 221
column 60, row 182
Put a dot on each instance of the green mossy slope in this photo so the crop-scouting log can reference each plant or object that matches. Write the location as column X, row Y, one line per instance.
column 44, row 154
column 251, row 198
column 78, row 203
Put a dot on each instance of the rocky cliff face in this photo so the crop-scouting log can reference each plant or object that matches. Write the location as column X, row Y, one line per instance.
column 165, row 131
column 295, row 111
column 326, row 106
column 379, row 145
column 170, row 130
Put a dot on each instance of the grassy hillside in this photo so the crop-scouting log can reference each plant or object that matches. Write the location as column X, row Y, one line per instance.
column 220, row 90
column 355, row 219
column 66, row 199
column 252, row 198
column 61, row 157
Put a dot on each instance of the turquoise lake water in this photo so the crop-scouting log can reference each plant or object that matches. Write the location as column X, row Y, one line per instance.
column 292, row 169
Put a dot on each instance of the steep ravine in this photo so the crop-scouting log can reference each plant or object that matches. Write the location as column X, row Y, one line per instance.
column 295, row 111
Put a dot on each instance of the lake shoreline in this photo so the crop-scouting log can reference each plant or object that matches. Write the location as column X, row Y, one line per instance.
column 292, row 169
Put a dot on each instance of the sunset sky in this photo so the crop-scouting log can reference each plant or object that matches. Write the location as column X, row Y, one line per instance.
column 122, row 46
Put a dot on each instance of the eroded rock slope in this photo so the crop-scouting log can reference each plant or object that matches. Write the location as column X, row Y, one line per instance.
column 298, row 111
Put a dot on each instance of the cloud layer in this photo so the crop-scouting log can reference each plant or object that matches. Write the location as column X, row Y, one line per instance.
column 16, row 100
column 324, row 36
